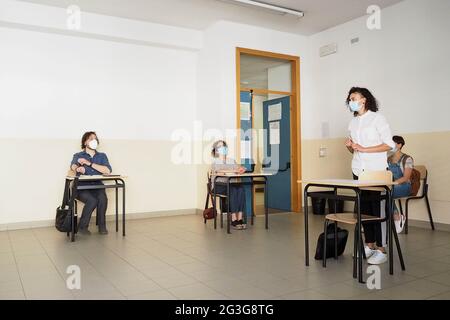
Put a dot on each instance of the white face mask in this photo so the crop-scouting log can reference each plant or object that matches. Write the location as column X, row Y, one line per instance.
column 93, row 144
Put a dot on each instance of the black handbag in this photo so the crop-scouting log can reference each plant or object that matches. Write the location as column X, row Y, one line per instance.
column 63, row 220
column 342, row 236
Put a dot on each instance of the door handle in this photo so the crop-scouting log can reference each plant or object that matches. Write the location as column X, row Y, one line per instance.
column 287, row 167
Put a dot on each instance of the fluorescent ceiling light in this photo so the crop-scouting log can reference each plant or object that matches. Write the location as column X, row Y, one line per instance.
column 268, row 6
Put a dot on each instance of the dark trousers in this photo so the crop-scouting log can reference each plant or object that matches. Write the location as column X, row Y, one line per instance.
column 372, row 231
column 93, row 199
column 237, row 197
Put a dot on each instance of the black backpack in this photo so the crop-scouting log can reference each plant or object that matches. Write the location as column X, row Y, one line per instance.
column 342, row 236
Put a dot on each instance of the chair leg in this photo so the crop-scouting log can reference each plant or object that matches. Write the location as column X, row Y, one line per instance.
column 406, row 216
column 325, row 235
column 397, row 243
column 362, row 248
column 400, row 206
column 221, row 213
column 429, row 212
column 335, row 240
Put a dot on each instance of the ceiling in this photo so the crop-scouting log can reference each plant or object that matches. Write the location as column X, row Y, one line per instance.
column 199, row 14
column 254, row 72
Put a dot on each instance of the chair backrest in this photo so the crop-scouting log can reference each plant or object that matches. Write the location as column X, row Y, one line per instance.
column 423, row 180
column 423, row 172
column 385, row 176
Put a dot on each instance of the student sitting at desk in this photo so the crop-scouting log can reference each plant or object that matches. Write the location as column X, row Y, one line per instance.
column 90, row 162
column 223, row 164
column 401, row 166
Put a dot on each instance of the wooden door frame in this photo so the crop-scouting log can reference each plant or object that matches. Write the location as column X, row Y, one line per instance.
column 296, row 155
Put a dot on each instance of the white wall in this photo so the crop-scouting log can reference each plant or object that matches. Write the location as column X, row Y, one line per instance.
column 217, row 68
column 405, row 65
column 56, row 84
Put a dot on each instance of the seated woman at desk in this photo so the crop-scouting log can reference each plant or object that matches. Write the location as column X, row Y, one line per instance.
column 369, row 141
column 91, row 162
column 223, row 164
column 401, row 166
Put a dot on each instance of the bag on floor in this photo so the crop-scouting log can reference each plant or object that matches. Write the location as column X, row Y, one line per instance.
column 63, row 220
column 209, row 212
column 342, row 236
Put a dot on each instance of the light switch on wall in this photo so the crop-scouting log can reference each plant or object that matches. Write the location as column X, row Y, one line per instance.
column 322, row 152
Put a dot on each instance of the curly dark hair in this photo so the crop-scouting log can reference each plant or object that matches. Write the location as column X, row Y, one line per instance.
column 371, row 102
column 215, row 147
column 86, row 136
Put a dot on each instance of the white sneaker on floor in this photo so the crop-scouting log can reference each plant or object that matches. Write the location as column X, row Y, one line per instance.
column 368, row 251
column 377, row 257
column 399, row 224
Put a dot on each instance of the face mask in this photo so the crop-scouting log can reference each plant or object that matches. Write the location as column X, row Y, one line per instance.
column 93, row 144
column 223, row 151
column 354, row 106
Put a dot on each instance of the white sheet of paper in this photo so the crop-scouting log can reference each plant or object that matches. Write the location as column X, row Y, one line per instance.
column 275, row 112
column 274, row 132
column 246, row 149
column 245, row 111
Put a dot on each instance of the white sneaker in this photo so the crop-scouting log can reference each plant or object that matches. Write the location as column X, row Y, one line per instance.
column 368, row 251
column 377, row 257
column 399, row 224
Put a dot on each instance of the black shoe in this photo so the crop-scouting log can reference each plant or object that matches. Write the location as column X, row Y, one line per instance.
column 235, row 225
column 103, row 231
column 84, row 231
column 242, row 223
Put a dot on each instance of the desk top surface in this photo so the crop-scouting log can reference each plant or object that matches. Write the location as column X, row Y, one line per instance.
column 96, row 177
column 243, row 175
column 347, row 182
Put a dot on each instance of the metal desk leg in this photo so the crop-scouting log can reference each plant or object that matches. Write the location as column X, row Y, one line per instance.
column 228, row 206
column 390, row 230
column 214, row 204
column 305, row 213
column 266, row 202
column 251, row 201
column 397, row 243
column 123, row 208
column 117, row 209
column 360, row 247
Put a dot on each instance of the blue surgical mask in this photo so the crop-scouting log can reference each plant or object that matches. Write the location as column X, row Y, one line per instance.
column 355, row 106
column 222, row 151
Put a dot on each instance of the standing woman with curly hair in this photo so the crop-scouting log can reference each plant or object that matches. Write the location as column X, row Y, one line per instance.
column 369, row 141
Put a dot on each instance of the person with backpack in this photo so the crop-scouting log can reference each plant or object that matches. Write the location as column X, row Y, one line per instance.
column 401, row 165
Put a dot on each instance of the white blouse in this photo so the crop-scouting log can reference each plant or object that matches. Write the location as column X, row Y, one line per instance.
column 369, row 130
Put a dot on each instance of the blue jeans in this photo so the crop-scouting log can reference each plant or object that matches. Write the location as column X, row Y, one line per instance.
column 400, row 190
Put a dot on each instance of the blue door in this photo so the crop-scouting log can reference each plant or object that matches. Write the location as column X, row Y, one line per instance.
column 277, row 152
column 246, row 158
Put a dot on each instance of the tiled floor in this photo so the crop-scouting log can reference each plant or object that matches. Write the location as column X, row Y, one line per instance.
column 181, row 258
